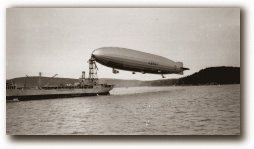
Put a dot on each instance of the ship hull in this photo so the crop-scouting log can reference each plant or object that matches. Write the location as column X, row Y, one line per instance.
column 32, row 94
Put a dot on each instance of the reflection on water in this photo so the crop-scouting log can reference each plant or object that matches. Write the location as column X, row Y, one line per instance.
column 177, row 110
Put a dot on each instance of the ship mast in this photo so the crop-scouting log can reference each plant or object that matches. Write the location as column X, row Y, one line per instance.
column 93, row 78
column 39, row 82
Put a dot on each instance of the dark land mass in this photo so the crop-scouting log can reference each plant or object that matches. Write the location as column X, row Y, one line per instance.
column 207, row 76
column 213, row 75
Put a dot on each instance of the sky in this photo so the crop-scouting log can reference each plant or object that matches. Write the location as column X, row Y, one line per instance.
column 61, row 40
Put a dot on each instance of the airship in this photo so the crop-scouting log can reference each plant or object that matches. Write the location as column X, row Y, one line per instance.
column 136, row 61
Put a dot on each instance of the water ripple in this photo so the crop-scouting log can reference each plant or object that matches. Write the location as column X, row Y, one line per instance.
column 178, row 110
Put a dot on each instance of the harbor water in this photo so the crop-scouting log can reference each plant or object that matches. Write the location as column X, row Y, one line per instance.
column 174, row 110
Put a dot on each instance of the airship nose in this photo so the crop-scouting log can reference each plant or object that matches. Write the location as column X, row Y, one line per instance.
column 96, row 53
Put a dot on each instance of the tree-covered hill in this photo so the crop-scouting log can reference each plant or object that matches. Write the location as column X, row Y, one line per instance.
column 213, row 75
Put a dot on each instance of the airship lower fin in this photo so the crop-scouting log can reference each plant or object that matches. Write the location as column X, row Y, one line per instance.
column 180, row 73
column 183, row 68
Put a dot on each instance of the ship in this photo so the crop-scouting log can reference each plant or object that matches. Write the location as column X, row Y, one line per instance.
column 85, row 87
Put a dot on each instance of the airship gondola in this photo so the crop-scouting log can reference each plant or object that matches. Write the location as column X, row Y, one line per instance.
column 136, row 61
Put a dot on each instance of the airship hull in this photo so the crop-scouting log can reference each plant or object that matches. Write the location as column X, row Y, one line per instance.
column 136, row 61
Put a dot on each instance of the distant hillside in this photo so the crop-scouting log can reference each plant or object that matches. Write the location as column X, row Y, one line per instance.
column 212, row 75
column 161, row 82
column 121, row 83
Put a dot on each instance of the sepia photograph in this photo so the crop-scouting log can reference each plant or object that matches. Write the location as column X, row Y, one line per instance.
column 123, row 71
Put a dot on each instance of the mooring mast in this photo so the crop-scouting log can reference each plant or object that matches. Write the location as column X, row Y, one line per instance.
column 93, row 78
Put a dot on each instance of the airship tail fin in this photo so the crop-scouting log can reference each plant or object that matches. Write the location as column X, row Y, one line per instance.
column 179, row 64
